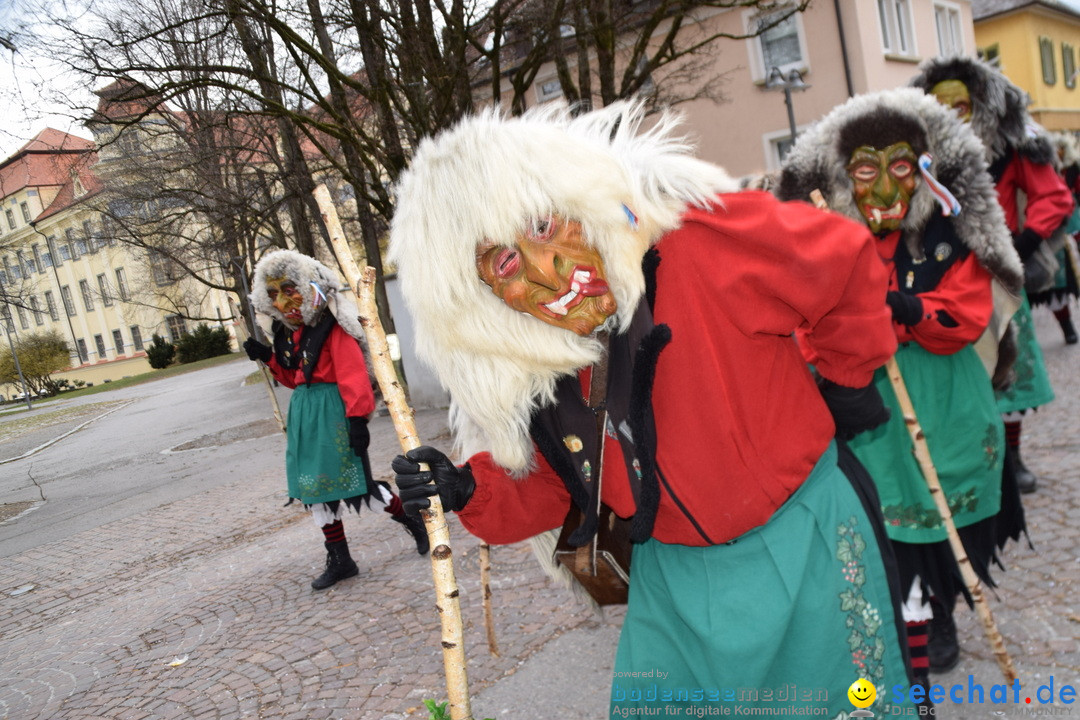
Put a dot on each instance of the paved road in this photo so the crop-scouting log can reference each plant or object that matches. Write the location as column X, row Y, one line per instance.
column 176, row 586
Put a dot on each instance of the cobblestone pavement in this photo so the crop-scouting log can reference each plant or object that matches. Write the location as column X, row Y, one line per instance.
column 203, row 610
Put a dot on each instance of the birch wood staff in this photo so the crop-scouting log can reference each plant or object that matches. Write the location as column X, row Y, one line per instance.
column 929, row 472
column 241, row 331
column 442, row 561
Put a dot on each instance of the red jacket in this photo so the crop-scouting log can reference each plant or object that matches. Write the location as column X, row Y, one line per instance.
column 739, row 420
column 1049, row 201
column 963, row 294
column 341, row 361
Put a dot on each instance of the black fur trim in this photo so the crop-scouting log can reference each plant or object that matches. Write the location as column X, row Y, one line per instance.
column 946, row 319
column 879, row 129
column 649, row 265
column 640, row 420
column 555, row 457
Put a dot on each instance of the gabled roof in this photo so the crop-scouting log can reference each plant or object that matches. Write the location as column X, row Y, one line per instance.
column 985, row 9
column 44, row 161
column 91, row 185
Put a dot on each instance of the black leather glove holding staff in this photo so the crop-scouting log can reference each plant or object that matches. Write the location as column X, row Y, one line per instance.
column 257, row 351
column 854, row 410
column 906, row 309
column 454, row 485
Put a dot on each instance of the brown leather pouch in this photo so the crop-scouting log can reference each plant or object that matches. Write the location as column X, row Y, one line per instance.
column 602, row 565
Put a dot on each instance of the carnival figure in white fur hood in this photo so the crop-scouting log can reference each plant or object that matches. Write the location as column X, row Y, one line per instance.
column 316, row 351
column 614, row 325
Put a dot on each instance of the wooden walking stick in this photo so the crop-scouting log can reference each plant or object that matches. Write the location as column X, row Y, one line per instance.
column 485, row 588
column 442, row 561
column 929, row 472
column 971, row 578
column 241, row 331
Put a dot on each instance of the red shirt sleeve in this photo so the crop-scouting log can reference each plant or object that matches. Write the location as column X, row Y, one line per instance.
column 956, row 312
column 831, row 291
column 342, row 361
column 1049, row 201
column 506, row 510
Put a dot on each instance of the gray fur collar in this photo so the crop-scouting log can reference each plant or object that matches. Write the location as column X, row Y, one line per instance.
column 816, row 162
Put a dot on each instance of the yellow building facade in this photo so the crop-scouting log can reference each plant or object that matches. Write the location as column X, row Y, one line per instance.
column 61, row 268
column 1036, row 45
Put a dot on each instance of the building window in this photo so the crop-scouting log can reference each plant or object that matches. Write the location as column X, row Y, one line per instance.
column 163, row 268
column 65, row 252
column 118, row 342
column 69, row 304
column 991, row 54
column 103, row 287
column 14, row 271
column 71, row 241
column 548, row 90
column 10, row 219
column 779, row 41
column 80, row 345
column 121, row 284
column 50, row 302
column 39, row 317
column 1046, row 53
column 895, row 19
column 39, row 259
column 177, row 327
column 1068, row 65
column 136, row 338
column 100, row 342
column 950, row 37
column 87, row 298
column 28, row 263
column 88, row 233
column 22, row 317
column 25, row 211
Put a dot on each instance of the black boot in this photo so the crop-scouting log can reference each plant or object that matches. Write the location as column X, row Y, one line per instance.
column 1026, row 481
column 416, row 528
column 339, row 565
column 942, row 648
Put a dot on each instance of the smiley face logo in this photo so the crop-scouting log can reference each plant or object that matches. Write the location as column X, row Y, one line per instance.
column 862, row 693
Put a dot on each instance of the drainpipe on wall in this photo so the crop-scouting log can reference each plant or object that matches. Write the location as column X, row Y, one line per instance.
column 843, row 49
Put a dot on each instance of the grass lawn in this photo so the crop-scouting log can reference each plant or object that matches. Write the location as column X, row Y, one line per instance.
column 138, row 379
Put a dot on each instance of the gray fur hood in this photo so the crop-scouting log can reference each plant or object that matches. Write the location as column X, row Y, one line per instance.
column 820, row 156
column 999, row 113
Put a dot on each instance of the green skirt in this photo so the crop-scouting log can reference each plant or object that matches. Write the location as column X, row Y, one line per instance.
column 319, row 463
column 787, row 616
column 1032, row 385
column 954, row 402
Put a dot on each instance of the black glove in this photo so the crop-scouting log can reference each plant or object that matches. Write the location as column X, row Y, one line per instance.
column 1026, row 243
column 359, row 437
column 453, row 484
column 906, row 309
column 257, row 351
column 854, row 410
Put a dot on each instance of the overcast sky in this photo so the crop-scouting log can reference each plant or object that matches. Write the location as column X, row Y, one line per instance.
column 23, row 113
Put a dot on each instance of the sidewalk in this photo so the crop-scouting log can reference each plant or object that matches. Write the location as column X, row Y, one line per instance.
column 204, row 609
